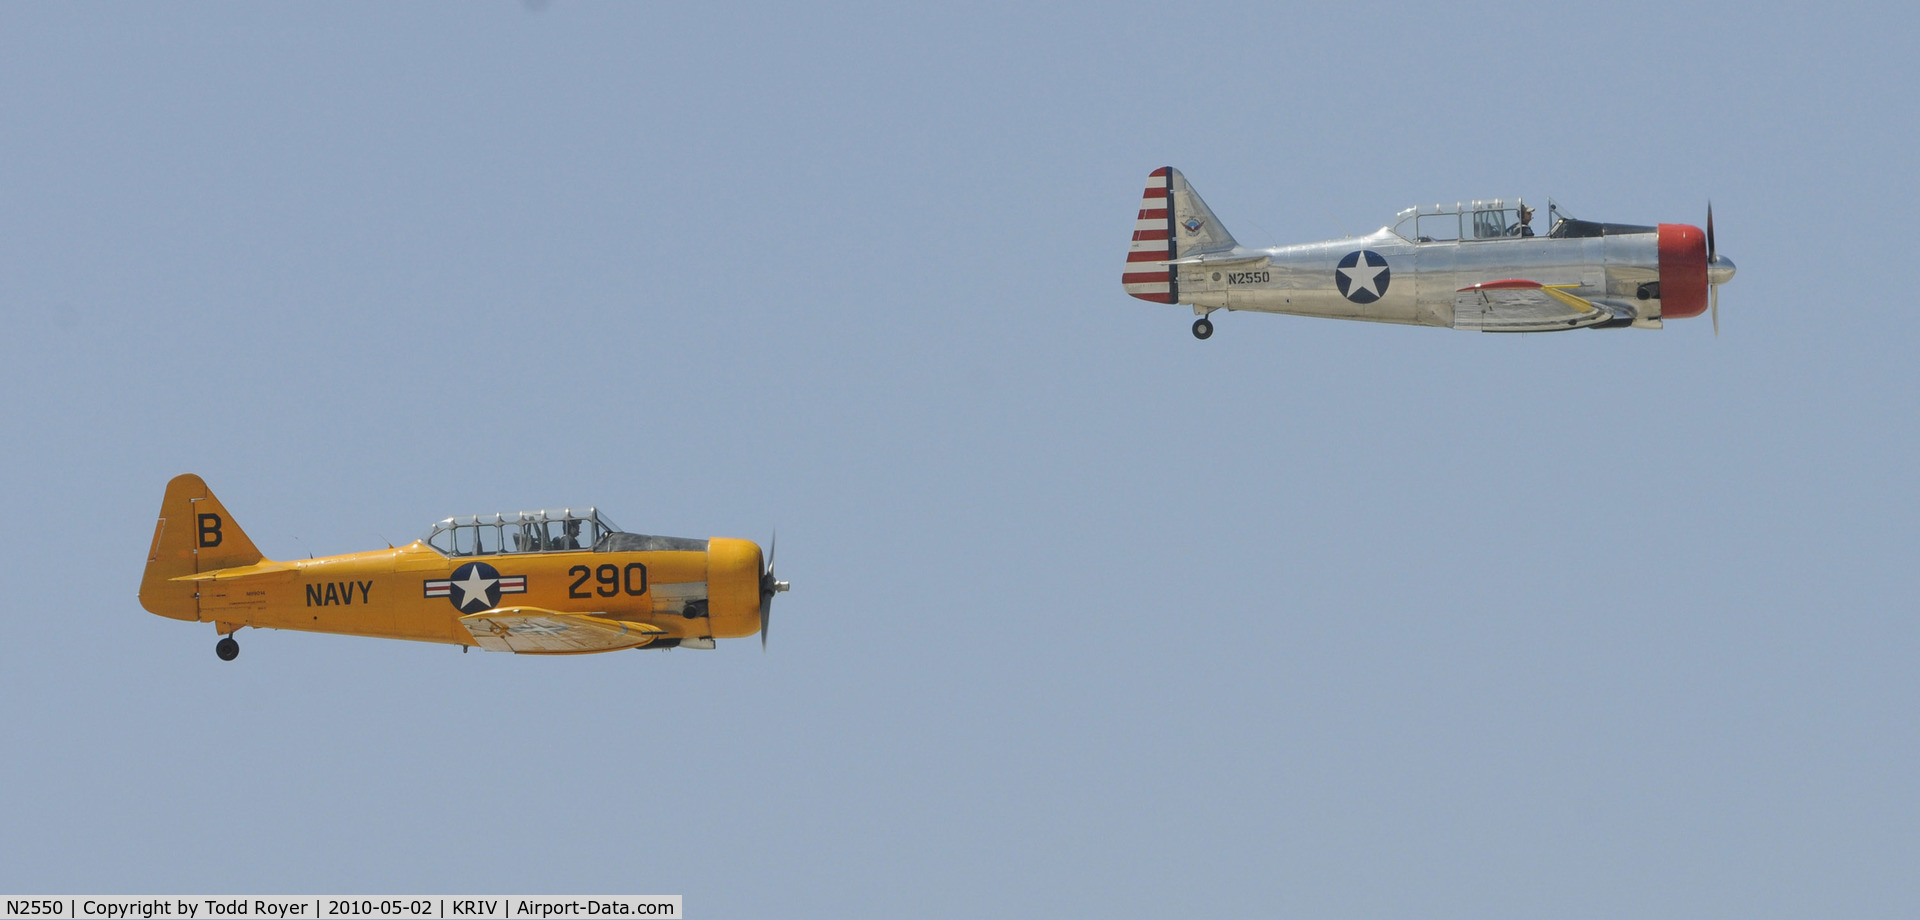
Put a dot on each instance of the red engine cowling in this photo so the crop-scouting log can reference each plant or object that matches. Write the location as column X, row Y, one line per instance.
column 1683, row 271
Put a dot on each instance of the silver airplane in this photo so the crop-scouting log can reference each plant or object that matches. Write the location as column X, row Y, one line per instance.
column 1475, row 266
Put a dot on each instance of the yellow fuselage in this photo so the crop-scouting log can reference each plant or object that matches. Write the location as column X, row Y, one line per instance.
column 384, row 593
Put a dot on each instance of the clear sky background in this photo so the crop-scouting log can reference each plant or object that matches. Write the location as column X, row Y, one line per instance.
column 1089, row 618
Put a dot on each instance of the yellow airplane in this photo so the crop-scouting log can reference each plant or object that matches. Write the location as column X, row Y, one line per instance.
column 556, row 582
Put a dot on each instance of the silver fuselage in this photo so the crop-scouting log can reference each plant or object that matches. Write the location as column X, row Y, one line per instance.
column 1424, row 281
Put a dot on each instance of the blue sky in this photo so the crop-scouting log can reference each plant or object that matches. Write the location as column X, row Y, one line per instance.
column 1088, row 617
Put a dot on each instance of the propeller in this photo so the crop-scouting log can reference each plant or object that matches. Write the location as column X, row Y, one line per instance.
column 1719, row 270
column 769, row 586
column 1712, row 257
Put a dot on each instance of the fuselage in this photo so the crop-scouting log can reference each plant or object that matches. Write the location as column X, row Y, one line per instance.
column 1420, row 282
column 415, row 592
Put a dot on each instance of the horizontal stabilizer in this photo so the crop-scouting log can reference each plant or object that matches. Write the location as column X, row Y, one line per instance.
column 1230, row 257
column 263, row 567
column 531, row 630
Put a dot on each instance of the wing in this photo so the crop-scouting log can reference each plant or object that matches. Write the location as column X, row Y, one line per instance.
column 531, row 630
column 1518, row 305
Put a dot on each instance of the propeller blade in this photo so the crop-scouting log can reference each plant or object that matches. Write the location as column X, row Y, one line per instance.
column 1710, row 249
column 766, row 618
column 1713, row 255
column 769, row 586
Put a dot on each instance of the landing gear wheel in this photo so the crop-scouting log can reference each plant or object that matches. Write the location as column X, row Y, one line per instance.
column 1202, row 328
column 227, row 649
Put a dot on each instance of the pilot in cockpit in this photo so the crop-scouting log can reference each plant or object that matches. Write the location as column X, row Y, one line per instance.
column 1525, row 225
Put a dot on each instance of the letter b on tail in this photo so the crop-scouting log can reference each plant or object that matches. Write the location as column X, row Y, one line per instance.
column 194, row 534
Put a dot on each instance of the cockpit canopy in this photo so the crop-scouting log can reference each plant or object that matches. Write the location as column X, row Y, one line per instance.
column 551, row 531
column 1480, row 220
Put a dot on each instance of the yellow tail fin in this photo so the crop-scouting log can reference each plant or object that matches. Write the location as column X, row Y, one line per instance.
column 194, row 534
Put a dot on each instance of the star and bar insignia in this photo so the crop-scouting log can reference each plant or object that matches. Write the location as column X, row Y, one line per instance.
column 478, row 585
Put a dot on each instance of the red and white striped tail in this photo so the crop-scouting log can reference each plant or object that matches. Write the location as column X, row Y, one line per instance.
column 1147, row 275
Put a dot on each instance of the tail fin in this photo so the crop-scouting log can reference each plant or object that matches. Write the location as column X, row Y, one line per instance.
column 1173, row 222
column 194, row 534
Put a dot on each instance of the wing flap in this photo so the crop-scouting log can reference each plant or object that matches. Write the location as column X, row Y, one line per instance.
column 1519, row 305
column 531, row 630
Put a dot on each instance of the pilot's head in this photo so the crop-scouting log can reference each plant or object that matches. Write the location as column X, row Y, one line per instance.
column 1526, row 214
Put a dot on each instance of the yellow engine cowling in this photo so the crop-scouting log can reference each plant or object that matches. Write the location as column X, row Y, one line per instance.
column 733, row 587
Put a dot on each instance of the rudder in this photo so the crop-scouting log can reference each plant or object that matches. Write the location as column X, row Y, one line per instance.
column 194, row 534
column 1147, row 275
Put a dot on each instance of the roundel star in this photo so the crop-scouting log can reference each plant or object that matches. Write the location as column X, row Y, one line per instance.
column 476, row 589
column 1363, row 276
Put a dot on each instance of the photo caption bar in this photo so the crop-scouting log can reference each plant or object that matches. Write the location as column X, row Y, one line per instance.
column 338, row 907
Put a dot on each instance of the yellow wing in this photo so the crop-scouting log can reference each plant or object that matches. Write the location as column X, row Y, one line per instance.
column 531, row 630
